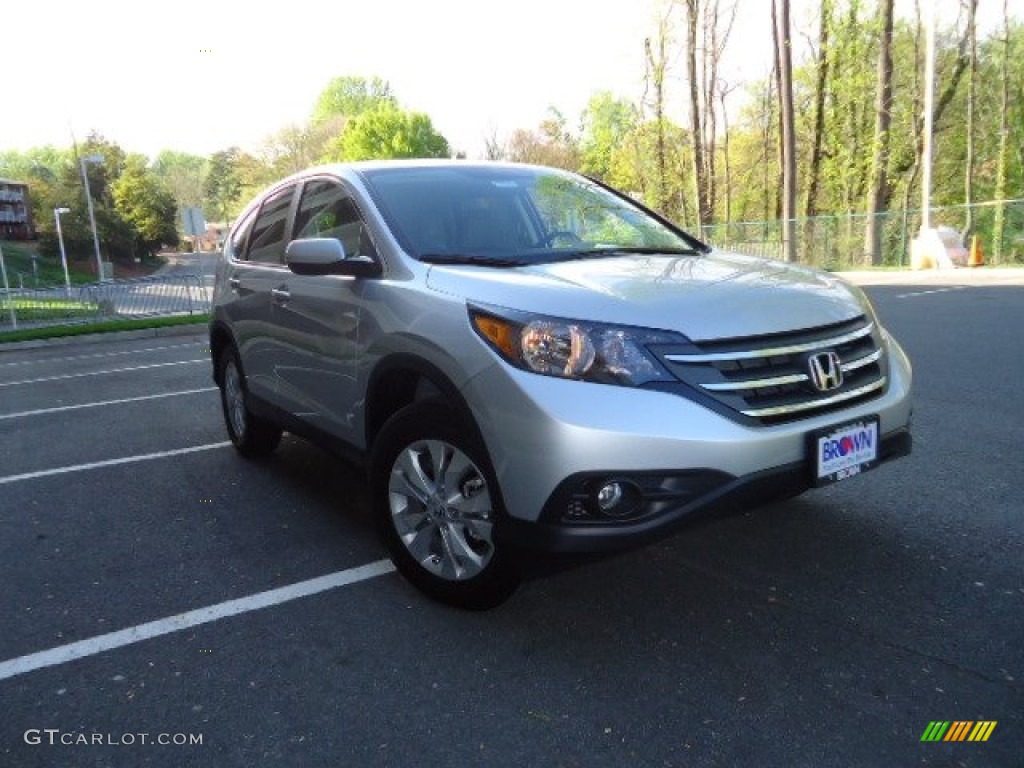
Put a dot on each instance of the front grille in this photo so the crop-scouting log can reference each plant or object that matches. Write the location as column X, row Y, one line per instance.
column 768, row 379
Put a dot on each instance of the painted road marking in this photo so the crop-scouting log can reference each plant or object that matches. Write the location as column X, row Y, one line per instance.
column 44, row 360
column 62, row 408
column 110, row 463
column 931, row 291
column 102, row 373
column 94, row 645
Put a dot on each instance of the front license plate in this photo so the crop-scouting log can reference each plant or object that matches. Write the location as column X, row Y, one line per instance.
column 844, row 451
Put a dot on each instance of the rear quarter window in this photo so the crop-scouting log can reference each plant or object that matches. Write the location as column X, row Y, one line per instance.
column 269, row 233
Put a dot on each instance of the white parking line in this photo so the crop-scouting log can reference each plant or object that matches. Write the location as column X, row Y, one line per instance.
column 101, row 373
column 931, row 291
column 94, row 645
column 109, row 463
column 59, row 409
column 44, row 360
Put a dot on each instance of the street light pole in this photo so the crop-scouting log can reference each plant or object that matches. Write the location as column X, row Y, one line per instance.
column 60, row 238
column 92, row 215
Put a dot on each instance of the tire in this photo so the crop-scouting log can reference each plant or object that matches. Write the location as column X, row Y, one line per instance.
column 430, row 484
column 251, row 435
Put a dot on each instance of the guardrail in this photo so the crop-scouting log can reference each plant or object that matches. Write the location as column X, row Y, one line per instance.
column 110, row 300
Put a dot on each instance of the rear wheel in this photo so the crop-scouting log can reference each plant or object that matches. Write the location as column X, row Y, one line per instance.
column 436, row 509
column 251, row 435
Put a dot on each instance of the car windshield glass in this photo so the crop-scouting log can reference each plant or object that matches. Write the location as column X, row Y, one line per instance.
column 513, row 214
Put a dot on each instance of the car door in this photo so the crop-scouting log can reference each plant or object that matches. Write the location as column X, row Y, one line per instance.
column 257, row 272
column 320, row 318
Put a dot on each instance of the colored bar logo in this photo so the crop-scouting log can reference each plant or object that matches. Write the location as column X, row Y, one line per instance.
column 958, row 730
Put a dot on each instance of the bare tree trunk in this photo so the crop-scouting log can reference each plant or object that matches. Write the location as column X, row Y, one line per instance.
column 711, row 58
column 656, row 67
column 784, row 62
column 707, row 32
column 878, row 194
column 1004, row 142
column 696, row 129
column 820, row 85
column 779, row 151
column 723, row 91
column 972, row 77
column 770, row 202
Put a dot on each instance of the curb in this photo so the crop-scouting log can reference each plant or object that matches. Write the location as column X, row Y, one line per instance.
column 93, row 338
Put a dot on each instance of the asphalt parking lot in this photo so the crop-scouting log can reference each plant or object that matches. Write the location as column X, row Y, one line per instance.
column 167, row 603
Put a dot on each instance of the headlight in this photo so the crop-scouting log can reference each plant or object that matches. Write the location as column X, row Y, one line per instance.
column 571, row 349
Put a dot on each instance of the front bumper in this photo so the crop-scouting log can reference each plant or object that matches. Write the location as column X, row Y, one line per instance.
column 543, row 434
column 697, row 494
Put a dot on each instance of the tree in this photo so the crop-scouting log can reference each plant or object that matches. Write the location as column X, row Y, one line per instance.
column 707, row 33
column 223, row 186
column 1002, row 160
column 972, row 81
column 606, row 122
column 182, row 174
column 550, row 144
column 821, row 72
column 146, row 204
column 296, row 147
column 784, row 65
column 656, row 57
column 878, row 194
column 388, row 132
column 349, row 97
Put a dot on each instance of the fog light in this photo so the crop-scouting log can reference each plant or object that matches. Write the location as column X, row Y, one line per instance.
column 609, row 497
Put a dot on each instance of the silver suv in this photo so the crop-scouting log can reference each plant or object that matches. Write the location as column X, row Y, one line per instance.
column 525, row 359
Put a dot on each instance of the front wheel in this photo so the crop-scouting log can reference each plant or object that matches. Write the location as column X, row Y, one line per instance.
column 251, row 435
column 436, row 508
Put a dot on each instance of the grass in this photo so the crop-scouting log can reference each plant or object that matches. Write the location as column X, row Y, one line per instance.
column 109, row 326
column 31, row 310
column 18, row 258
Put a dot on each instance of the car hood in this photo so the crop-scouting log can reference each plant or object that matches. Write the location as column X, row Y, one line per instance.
column 708, row 296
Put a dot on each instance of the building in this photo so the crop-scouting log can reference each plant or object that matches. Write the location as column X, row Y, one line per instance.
column 15, row 212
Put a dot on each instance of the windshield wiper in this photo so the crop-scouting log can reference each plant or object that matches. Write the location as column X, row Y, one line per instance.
column 469, row 259
column 618, row 251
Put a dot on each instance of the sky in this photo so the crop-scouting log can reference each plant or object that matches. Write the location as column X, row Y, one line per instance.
column 200, row 76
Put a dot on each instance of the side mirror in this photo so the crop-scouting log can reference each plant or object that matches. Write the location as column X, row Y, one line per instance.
column 326, row 256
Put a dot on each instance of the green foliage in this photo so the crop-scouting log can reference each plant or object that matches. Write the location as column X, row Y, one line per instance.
column 222, row 187
column 106, row 326
column 607, row 121
column 29, row 310
column 634, row 168
column 350, row 96
column 28, row 266
column 182, row 174
column 134, row 212
column 143, row 201
column 387, row 132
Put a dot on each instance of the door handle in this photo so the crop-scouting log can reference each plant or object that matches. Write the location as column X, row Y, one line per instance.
column 281, row 295
column 234, row 283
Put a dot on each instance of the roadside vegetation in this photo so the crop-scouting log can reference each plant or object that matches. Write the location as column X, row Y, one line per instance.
column 107, row 326
column 28, row 267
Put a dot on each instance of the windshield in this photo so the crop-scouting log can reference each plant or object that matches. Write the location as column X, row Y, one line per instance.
column 509, row 215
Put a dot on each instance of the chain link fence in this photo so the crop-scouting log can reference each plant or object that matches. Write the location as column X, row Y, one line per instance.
column 838, row 242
